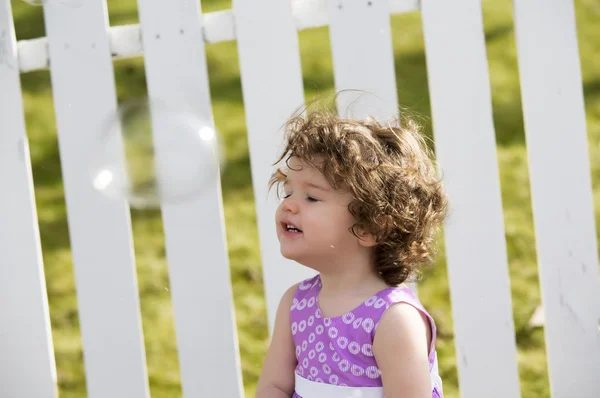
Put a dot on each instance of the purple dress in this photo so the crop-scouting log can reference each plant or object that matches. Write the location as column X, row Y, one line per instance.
column 337, row 352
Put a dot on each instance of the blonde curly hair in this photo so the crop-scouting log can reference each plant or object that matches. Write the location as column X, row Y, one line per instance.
column 388, row 170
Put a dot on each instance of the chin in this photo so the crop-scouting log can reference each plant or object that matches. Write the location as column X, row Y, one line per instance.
column 300, row 260
column 290, row 255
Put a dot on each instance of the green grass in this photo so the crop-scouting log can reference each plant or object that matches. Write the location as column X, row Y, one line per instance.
column 239, row 202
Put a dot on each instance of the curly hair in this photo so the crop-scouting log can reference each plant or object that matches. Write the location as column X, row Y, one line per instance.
column 389, row 171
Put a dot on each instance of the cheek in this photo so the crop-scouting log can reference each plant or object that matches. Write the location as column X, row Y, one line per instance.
column 335, row 223
column 278, row 215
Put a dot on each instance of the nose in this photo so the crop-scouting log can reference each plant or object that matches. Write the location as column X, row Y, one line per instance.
column 289, row 205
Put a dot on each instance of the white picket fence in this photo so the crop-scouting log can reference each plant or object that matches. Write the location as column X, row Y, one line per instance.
column 170, row 37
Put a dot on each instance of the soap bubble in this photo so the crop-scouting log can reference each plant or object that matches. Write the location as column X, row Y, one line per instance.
column 150, row 155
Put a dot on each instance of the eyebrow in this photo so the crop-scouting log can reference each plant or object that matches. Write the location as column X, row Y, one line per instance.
column 311, row 185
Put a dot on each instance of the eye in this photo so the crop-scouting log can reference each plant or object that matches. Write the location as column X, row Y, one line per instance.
column 286, row 195
column 311, row 199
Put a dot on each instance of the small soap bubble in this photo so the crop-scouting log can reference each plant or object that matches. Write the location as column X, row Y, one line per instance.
column 151, row 155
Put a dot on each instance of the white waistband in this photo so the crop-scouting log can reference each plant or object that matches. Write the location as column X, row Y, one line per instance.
column 312, row 389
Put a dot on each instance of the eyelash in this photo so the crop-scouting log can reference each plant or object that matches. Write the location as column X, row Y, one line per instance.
column 308, row 198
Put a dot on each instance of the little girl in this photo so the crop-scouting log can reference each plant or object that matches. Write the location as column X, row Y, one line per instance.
column 361, row 205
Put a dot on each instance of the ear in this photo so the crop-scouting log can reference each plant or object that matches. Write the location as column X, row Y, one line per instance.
column 366, row 240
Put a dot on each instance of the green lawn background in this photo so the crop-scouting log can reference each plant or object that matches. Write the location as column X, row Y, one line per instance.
column 239, row 202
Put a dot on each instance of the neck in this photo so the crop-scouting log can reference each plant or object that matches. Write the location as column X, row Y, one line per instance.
column 351, row 272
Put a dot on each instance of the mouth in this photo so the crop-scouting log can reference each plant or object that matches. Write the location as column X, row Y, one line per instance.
column 288, row 227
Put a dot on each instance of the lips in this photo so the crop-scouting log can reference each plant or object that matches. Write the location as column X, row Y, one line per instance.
column 290, row 227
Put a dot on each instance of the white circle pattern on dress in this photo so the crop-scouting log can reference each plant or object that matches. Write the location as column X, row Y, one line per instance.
column 367, row 349
column 314, row 371
column 311, row 338
column 319, row 380
column 354, row 347
column 379, row 303
column 301, row 304
column 298, row 351
column 311, row 354
column 348, row 318
column 326, row 369
column 322, row 357
column 304, row 345
column 372, row 372
column 368, row 325
column 333, row 332
column 300, row 370
column 318, row 314
column 311, row 320
column 331, row 347
column 294, row 304
column 320, row 329
column 294, row 328
column 333, row 379
column 327, row 322
column 302, row 325
column 371, row 301
column 336, row 357
column 342, row 342
column 344, row 365
column 357, row 370
column 357, row 322
column 311, row 302
column 305, row 363
column 319, row 346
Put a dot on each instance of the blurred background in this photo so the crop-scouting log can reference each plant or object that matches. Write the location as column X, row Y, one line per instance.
column 238, row 196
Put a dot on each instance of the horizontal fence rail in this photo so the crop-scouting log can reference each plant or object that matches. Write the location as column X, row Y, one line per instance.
column 126, row 41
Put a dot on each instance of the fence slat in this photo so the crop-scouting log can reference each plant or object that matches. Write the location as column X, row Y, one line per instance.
column 363, row 58
column 563, row 207
column 100, row 233
column 194, row 231
column 26, row 350
column 272, row 88
column 475, row 244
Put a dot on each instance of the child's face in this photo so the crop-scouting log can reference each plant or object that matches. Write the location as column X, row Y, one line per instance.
column 313, row 220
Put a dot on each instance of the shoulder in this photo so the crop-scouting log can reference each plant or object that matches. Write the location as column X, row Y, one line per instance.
column 288, row 297
column 400, row 348
column 404, row 316
column 295, row 292
column 402, row 324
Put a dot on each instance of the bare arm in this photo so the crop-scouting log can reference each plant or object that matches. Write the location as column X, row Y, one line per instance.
column 401, row 351
column 277, row 377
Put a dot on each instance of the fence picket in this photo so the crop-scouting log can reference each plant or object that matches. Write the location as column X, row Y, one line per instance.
column 84, row 95
column 194, row 231
column 272, row 89
column 26, row 349
column 363, row 58
column 563, row 208
column 476, row 249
